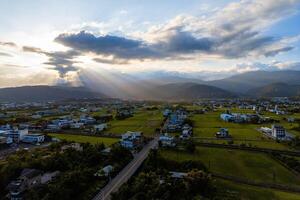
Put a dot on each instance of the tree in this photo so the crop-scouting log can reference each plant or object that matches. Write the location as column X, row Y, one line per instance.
column 198, row 181
column 190, row 146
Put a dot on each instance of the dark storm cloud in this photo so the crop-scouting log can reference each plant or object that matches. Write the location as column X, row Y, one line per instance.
column 62, row 61
column 106, row 45
column 235, row 31
column 62, row 71
column 123, row 48
column 276, row 51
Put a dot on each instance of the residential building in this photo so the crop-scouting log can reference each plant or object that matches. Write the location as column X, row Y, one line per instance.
column 29, row 178
column 75, row 146
column 227, row 117
column 278, row 131
column 33, row 138
column 100, row 127
column 166, row 140
column 223, row 133
column 132, row 140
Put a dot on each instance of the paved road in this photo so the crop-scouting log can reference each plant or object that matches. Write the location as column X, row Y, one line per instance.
column 126, row 172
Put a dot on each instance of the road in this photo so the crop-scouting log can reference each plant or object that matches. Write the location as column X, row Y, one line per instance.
column 126, row 172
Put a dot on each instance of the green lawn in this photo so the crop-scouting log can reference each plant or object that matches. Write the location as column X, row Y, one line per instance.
column 253, row 166
column 206, row 125
column 143, row 120
column 246, row 192
column 85, row 139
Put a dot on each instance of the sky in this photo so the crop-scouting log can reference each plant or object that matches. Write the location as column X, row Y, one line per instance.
column 55, row 42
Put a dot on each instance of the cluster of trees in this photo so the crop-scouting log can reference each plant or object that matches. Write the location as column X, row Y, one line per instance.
column 155, row 182
column 295, row 142
column 290, row 162
column 77, row 168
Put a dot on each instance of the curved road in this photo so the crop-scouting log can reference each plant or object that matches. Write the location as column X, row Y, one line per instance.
column 126, row 172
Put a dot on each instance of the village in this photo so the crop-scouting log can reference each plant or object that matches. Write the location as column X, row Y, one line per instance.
column 113, row 127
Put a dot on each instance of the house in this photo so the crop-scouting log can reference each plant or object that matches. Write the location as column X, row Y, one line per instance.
column 33, row 138
column 105, row 171
column 227, row 117
column 17, row 135
column 166, row 140
column 77, row 125
column 106, row 151
column 178, row 175
column 3, row 140
column 36, row 116
column 187, row 132
column 266, row 130
column 223, row 133
column 29, row 178
column 124, row 113
column 278, row 131
column 100, row 127
column 132, row 140
column 291, row 119
column 75, row 146
column 4, row 137
column 87, row 120
column 167, row 112
column 49, row 176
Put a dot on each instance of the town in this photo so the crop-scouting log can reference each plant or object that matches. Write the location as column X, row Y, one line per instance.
column 102, row 137
column 150, row 100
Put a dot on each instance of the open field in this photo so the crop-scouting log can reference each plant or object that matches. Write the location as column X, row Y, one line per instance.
column 240, row 191
column 143, row 120
column 249, row 165
column 206, row 125
column 85, row 139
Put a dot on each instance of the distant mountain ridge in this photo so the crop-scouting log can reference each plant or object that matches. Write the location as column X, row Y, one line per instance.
column 241, row 83
column 46, row 93
column 276, row 90
column 164, row 87
column 191, row 91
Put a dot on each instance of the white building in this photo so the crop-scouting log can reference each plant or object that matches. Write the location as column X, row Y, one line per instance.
column 100, row 127
column 166, row 140
column 278, row 131
column 33, row 138
column 77, row 125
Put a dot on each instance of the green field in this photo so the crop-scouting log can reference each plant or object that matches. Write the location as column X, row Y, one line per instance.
column 249, row 165
column 206, row 125
column 143, row 120
column 85, row 139
column 246, row 192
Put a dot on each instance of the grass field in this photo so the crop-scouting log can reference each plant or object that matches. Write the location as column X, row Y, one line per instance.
column 253, row 166
column 206, row 125
column 143, row 120
column 85, row 139
column 246, row 192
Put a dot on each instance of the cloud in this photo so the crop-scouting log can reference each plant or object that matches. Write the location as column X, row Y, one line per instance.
column 5, row 54
column 64, row 70
column 33, row 49
column 111, row 61
column 62, row 61
column 276, row 51
column 236, row 31
column 11, row 44
column 107, row 45
column 272, row 66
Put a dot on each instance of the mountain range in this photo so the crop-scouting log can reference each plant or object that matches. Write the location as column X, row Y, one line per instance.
column 165, row 87
column 46, row 93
